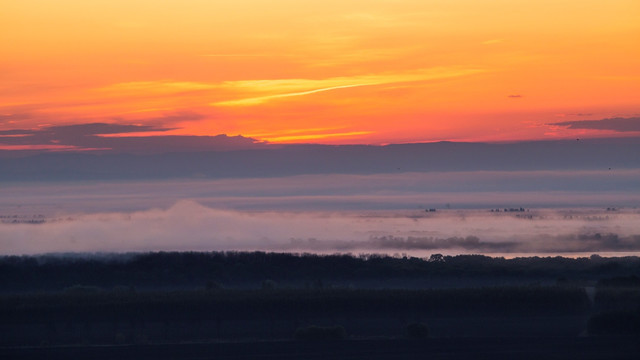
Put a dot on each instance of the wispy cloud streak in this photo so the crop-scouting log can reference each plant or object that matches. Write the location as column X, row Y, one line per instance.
column 284, row 88
column 262, row 99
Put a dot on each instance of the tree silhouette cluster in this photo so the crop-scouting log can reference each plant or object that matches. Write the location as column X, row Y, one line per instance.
column 193, row 270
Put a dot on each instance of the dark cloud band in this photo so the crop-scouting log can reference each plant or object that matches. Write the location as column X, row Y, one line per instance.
column 91, row 136
column 616, row 124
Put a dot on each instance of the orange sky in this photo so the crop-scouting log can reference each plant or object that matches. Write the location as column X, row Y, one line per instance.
column 330, row 71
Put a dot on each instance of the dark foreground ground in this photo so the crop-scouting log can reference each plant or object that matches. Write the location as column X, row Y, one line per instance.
column 284, row 306
column 443, row 348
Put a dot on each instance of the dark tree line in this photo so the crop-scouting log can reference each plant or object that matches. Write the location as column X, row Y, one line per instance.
column 189, row 270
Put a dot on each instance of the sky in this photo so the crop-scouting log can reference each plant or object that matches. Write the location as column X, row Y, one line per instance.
column 330, row 72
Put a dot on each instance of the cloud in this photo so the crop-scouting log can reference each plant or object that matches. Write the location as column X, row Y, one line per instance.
column 97, row 129
column 15, row 132
column 79, row 135
column 120, row 138
column 263, row 99
column 282, row 88
column 258, row 91
column 84, row 130
column 619, row 124
column 51, row 147
column 305, row 137
column 247, row 55
column 11, row 118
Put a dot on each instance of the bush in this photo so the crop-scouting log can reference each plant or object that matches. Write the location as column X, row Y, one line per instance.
column 417, row 331
column 321, row 333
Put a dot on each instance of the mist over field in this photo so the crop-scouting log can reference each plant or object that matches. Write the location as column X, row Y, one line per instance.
column 188, row 225
column 564, row 212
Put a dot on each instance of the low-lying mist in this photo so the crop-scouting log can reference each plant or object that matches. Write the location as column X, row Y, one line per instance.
column 331, row 213
column 188, row 225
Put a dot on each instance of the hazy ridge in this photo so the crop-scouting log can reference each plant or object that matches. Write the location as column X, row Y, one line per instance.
column 601, row 154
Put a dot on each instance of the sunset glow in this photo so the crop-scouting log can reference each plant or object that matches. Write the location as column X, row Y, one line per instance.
column 328, row 71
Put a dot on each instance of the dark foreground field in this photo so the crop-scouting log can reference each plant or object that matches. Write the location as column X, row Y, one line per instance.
column 283, row 306
column 114, row 317
column 443, row 348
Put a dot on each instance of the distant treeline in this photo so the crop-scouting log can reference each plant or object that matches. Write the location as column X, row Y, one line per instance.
column 193, row 270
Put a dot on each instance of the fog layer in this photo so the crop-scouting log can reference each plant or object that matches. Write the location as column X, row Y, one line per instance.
column 188, row 225
column 328, row 213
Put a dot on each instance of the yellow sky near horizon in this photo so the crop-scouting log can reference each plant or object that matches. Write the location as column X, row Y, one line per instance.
column 328, row 71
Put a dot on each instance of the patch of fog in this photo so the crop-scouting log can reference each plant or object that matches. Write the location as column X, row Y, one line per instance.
column 189, row 225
